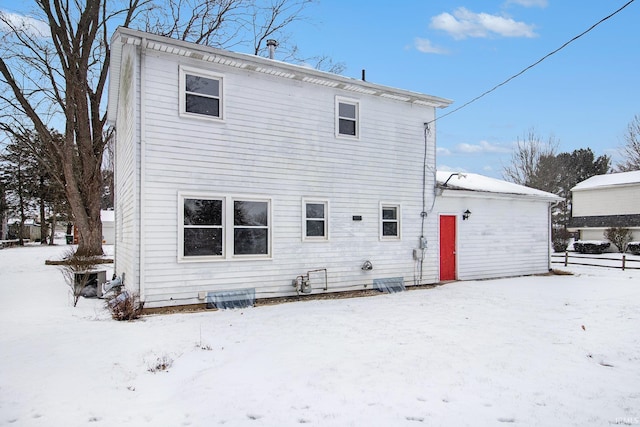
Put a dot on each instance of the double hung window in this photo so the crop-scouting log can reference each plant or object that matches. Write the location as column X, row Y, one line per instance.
column 200, row 94
column 315, row 221
column 347, row 118
column 389, row 222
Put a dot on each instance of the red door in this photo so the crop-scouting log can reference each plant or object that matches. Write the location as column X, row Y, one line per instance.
column 447, row 247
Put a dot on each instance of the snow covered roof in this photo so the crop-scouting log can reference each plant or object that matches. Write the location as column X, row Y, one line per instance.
column 481, row 183
column 107, row 216
column 608, row 180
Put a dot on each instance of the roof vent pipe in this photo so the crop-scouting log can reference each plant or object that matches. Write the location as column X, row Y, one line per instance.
column 272, row 45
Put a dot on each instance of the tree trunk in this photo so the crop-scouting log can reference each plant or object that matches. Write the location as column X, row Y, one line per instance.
column 53, row 227
column 43, row 220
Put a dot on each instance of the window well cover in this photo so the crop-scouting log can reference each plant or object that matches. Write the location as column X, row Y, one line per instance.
column 389, row 285
column 239, row 298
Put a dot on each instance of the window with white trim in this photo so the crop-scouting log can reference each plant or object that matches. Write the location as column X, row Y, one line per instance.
column 250, row 227
column 347, row 118
column 315, row 220
column 389, row 222
column 224, row 227
column 200, row 94
column 203, row 230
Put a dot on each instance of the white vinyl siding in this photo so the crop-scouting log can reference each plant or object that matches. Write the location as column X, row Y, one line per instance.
column 505, row 236
column 254, row 151
column 614, row 200
column 127, row 172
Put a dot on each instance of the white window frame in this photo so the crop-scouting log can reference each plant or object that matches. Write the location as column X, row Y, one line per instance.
column 398, row 220
column 183, row 83
column 349, row 101
column 324, row 202
column 228, row 227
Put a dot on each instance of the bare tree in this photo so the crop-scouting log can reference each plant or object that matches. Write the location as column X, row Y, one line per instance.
column 530, row 155
column 56, row 72
column 619, row 236
column 53, row 71
column 631, row 151
column 534, row 163
column 226, row 23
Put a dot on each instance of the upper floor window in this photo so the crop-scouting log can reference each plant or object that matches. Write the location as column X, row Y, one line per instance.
column 347, row 117
column 389, row 222
column 200, row 93
column 315, row 221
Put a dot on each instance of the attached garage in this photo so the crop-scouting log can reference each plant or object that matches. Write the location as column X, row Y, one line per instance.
column 490, row 228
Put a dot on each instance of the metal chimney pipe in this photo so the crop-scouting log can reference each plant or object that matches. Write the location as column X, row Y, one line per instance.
column 272, row 45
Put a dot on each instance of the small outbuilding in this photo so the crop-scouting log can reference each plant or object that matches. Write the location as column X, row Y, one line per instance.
column 490, row 228
column 108, row 227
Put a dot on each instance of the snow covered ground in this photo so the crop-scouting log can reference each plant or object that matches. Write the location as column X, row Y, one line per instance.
column 529, row 351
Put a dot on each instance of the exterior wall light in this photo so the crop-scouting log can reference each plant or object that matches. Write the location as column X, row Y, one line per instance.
column 466, row 214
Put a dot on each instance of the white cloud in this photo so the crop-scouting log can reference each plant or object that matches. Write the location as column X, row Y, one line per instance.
column 425, row 46
column 529, row 3
column 35, row 27
column 464, row 23
column 441, row 151
column 482, row 147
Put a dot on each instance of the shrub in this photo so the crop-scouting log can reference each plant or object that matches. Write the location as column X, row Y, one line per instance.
column 560, row 239
column 125, row 305
column 619, row 236
column 591, row 246
column 162, row 363
column 77, row 270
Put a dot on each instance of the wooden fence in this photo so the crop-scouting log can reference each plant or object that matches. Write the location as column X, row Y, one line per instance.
column 603, row 260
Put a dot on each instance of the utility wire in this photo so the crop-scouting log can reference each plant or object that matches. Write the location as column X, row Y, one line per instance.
column 534, row 64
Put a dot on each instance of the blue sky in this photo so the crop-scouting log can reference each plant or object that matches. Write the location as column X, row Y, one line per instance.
column 584, row 96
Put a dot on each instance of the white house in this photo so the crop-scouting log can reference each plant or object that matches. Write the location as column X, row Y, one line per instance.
column 491, row 228
column 604, row 201
column 239, row 176
column 107, row 217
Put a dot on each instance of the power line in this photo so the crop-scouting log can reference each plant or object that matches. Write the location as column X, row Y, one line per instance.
column 534, row 64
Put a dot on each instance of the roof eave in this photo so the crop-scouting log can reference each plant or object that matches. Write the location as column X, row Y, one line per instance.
column 255, row 63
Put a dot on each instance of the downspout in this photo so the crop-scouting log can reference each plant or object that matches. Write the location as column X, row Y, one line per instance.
column 141, row 229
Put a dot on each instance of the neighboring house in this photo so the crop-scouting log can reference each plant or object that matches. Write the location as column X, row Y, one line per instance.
column 605, row 201
column 240, row 176
column 491, row 228
column 107, row 217
column 31, row 229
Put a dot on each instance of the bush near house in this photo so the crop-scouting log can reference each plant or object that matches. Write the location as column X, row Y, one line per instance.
column 619, row 236
column 634, row 248
column 560, row 239
column 591, row 246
